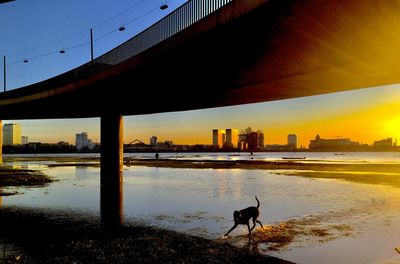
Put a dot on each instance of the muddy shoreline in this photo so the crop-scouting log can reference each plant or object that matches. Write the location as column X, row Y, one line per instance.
column 22, row 177
column 261, row 164
column 57, row 237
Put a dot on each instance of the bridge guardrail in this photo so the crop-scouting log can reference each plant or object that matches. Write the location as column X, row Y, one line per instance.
column 186, row 15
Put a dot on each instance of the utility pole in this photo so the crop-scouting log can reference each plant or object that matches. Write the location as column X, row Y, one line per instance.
column 91, row 45
column 4, row 68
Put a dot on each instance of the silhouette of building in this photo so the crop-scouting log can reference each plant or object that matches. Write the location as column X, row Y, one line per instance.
column 218, row 137
column 260, row 139
column 242, row 142
column 333, row 144
column 24, row 140
column 388, row 142
column 225, row 138
column 292, row 141
column 231, row 138
column 255, row 140
column 11, row 134
column 83, row 142
column 251, row 140
column 153, row 141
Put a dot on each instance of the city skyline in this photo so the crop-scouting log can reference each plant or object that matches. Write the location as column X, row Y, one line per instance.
column 364, row 115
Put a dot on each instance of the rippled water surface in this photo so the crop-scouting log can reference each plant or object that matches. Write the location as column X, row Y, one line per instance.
column 327, row 220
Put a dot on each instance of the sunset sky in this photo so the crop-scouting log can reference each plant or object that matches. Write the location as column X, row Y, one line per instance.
column 362, row 115
column 37, row 30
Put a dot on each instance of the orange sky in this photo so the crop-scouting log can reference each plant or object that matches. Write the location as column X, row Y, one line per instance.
column 362, row 115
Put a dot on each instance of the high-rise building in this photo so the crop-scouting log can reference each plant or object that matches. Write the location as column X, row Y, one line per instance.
column 292, row 141
column 231, row 137
column 82, row 141
column 227, row 138
column 153, row 141
column 24, row 140
column 260, row 142
column 218, row 137
column 11, row 134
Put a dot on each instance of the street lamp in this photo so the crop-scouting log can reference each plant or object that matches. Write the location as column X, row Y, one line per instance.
column 164, row 6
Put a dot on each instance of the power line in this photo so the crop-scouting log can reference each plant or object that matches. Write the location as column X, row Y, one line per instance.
column 76, row 33
column 27, row 59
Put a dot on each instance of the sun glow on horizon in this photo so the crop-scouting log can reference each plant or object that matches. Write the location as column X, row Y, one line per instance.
column 392, row 127
column 364, row 115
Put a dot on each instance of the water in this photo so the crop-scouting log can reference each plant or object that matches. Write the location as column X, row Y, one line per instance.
column 360, row 222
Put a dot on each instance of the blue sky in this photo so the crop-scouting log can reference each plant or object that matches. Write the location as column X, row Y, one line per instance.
column 32, row 28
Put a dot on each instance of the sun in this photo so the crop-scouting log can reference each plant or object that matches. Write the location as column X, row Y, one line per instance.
column 392, row 127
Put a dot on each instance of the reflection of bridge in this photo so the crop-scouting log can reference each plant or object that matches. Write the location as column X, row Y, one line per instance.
column 212, row 53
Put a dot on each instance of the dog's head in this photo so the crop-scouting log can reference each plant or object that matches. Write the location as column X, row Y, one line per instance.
column 236, row 216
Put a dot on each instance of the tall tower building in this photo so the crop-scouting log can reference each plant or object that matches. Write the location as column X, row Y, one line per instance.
column 11, row 134
column 219, row 137
column 231, row 137
column 292, row 140
column 81, row 140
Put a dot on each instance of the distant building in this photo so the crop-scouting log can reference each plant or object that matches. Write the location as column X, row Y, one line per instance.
column 11, row 134
column 332, row 144
column 242, row 142
column 24, row 140
column 260, row 140
column 83, row 142
column 292, row 141
column 255, row 140
column 388, row 142
column 169, row 143
column 384, row 144
column 218, row 137
column 231, row 138
column 225, row 138
column 153, row 141
column 252, row 141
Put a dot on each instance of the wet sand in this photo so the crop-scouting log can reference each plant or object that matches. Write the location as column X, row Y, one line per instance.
column 360, row 172
column 266, row 165
column 22, row 177
column 56, row 237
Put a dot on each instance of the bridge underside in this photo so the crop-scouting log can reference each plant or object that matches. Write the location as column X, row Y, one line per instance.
column 283, row 49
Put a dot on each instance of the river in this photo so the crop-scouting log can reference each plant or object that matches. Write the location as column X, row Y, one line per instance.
column 334, row 220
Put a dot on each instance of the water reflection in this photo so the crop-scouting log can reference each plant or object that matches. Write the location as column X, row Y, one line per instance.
column 111, row 200
column 321, row 212
column 81, row 173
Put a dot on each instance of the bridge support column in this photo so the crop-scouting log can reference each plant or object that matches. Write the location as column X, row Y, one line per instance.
column 1, row 142
column 111, row 177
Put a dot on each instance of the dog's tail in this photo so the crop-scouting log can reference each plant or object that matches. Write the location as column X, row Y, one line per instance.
column 258, row 202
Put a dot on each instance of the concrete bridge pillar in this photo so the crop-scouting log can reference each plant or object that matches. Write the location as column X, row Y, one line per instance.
column 111, row 177
column 1, row 142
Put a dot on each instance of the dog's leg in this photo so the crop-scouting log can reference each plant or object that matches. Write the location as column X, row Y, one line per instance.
column 258, row 221
column 248, row 226
column 230, row 230
column 254, row 224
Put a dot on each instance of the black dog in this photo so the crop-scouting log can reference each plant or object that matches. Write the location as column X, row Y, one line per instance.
column 243, row 216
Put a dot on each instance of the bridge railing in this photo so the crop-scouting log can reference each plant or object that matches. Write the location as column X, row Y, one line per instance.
column 180, row 19
column 175, row 22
